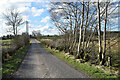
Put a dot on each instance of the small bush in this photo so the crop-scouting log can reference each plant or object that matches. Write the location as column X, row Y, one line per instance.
column 16, row 43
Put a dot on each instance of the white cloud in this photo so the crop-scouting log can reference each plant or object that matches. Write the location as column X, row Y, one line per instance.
column 48, row 8
column 31, row 26
column 40, row 27
column 44, row 20
column 46, row 30
column 20, row 6
column 49, row 31
column 4, row 29
column 7, row 4
column 24, row 9
column 27, row 11
column 31, row 11
column 25, row 18
column 37, row 12
column 45, row 27
column 21, row 30
column 28, row 0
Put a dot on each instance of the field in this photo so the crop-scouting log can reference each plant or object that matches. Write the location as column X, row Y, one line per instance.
column 114, row 47
column 6, row 43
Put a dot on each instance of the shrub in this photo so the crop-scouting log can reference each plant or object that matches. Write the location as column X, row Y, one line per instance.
column 16, row 43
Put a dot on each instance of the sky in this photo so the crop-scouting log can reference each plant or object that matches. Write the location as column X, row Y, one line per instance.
column 35, row 11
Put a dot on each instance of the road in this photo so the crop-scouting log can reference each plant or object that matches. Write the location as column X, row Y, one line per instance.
column 39, row 63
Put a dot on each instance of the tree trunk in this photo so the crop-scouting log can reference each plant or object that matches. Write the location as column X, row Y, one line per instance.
column 71, row 33
column 104, row 37
column 14, row 30
column 80, row 34
column 75, row 36
column 99, row 33
column 76, row 27
column 86, row 25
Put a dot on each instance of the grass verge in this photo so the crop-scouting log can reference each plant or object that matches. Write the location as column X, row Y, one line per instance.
column 12, row 64
column 88, row 69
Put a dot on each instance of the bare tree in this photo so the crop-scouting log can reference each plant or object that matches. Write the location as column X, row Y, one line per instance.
column 13, row 18
column 36, row 34
column 65, row 19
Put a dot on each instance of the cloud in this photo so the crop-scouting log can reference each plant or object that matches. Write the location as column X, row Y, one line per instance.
column 25, row 18
column 24, row 9
column 21, row 30
column 4, row 29
column 50, row 31
column 46, row 30
column 29, row 0
column 44, row 20
column 28, row 13
column 37, row 12
column 48, row 8
column 39, row 27
column 7, row 4
column 31, row 26
column 31, row 11
column 45, row 27
column 22, row 6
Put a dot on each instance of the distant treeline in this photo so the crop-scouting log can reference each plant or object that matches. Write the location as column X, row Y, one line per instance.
column 7, row 37
column 109, row 32
column 49, row 36
column 56, row 36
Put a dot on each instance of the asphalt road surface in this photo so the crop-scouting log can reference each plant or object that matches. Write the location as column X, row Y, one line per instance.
column 39, row 63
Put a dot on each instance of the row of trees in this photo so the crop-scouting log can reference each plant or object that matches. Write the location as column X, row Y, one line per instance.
column 80, row 21
column 7, row 37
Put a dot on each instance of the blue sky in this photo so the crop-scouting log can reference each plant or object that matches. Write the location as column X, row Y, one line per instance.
column 35, row 12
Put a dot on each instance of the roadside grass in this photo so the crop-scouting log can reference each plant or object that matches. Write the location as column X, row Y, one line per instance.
column 37, row 41
column 14, row 62
column 30, row 41
column 88, row 69
column 84, row 67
